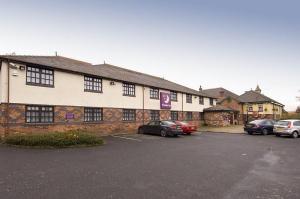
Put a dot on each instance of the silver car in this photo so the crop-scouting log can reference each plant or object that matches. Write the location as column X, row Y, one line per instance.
column 287, row 127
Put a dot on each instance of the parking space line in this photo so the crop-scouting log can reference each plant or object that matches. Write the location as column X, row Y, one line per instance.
column 127, row 138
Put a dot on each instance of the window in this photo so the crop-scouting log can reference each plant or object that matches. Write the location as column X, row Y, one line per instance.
column 93, row 114
column 154, row 93
column 39, row 76
column 250, row 108
column 201, row 115
column 92, row 84
column 201, row 100
column 128, row 115
column 154, row 115
column 174, row 115
column 189, row 116
column 128, row 89
column 39, row 114
column 296, row 123
column 174, row 96
column 211, row 101
column 260, row 108
column 189, row 98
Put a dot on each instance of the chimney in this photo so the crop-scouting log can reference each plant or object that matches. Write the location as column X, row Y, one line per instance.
column 222, row 93
column 200, row 88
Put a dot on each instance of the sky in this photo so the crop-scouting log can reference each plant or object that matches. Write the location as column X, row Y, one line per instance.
column 234, row 44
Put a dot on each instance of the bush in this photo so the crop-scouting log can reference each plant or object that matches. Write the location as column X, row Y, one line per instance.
column 55, row 139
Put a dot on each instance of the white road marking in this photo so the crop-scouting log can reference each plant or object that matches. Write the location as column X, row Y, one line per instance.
column 127, row 138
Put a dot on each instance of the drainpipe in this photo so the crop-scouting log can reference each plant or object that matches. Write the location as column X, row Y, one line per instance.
column 6, row 130
column 182, row 106
column 143, row 105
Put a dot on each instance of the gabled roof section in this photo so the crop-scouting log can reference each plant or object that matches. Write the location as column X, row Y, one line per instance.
column 103, row 70
column 255, row 97
column 216, row 92
column 219, row 108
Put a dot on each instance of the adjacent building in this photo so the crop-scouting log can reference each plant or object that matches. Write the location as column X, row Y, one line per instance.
column 54, row 93
column 228, row 104
column 238, row 109
column 256, row 105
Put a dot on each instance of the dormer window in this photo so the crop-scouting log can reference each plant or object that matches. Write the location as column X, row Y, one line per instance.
column 39, row 76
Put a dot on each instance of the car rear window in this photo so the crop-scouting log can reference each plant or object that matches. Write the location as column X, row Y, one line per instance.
column 256, row 122
column 183, row 123
column 283, row 123
column 168, row 123
column 296, row 123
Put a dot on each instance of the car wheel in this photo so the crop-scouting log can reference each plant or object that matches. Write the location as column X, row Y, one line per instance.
column 249, row 132
column 140, row 131
column 294, row 134
column 265, row 132
column 163, row 133
column 277, row 135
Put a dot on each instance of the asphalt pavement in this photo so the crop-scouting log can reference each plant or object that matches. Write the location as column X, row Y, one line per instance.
column 204, row 165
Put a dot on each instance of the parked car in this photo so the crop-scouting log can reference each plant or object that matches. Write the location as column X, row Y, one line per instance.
column 264, row 127
column 186, row 127
column 287, row 127
column 163, row 128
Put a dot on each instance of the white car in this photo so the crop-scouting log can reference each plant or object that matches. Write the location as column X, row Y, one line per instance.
column 287, row 127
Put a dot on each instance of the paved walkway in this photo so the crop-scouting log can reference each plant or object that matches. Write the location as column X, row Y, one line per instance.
column 227, row 129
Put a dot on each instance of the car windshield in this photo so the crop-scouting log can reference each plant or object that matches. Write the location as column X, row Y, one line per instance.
column 283, row 123
column 167, row 123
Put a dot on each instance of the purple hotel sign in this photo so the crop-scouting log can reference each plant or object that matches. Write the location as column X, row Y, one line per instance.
column 165, row 100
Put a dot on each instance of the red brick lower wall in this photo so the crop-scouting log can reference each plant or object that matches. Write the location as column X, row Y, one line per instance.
column 112, row 120
column 217, row 118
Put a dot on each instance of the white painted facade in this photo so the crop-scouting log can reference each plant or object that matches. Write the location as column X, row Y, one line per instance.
column 68, row 90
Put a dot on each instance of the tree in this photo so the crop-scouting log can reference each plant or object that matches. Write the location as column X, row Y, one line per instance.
column 298, row 109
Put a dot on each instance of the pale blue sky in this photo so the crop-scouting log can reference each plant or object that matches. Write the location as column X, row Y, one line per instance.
column 235, row 44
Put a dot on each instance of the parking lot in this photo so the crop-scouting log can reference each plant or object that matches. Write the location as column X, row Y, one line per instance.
column 204, row 165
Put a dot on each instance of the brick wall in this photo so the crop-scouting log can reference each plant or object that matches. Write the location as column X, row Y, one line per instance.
column 234, row 104
column 217, row 118
column 112, row 120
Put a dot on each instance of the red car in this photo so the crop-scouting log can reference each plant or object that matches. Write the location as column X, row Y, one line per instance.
column 186, row 127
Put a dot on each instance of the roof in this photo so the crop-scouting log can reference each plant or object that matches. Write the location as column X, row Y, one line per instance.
column 216, row 93
column 255, row 97
column 103, row 70
column 219, row 108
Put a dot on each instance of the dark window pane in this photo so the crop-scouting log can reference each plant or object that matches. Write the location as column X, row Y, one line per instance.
column 128, row 89
column 173, row 96
column 39, row 114
column 154, row 115
column 129, row 115
column 93, row 114
column 35, row 75
column 154, row 93
column 174, row 115
column 189, row 98
column 92, row 84
column 189, row 116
